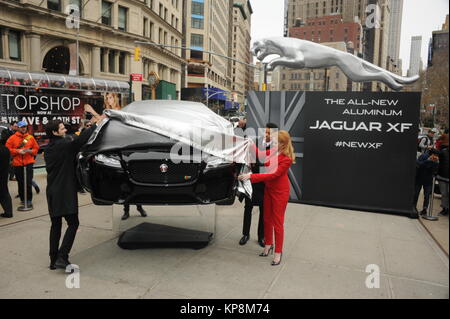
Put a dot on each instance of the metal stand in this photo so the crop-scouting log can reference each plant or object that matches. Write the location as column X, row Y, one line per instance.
column 169, row 227
column 25, row 207
column 429, row 215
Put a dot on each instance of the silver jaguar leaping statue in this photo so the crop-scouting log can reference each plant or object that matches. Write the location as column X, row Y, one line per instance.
column 299, row 54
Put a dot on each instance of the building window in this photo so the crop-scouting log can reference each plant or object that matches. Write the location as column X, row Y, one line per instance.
column 111, row 61
column 197, row 8
column 14, row 45
column 145, row 29
column 54, row 5
column 197, row 23
column 122, row 59
column 102, row 60
column 1, row 45
column 197, row 40
column 106, row 12
column 123, row 13
column 152, row 28
column 161, row 9
column 77, row 3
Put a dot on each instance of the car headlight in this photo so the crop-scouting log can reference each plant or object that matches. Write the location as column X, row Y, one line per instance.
column 107, row 161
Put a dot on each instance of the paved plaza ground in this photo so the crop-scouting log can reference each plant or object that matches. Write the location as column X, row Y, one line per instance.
column 326, row 253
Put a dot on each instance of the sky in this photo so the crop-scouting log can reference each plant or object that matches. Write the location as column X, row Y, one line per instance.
column 420, row 17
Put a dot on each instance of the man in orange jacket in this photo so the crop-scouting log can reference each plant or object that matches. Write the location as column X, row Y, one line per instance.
column 23, row 148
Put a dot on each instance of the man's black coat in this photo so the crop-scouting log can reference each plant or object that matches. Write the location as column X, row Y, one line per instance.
column 5, row 158
column 62, row 184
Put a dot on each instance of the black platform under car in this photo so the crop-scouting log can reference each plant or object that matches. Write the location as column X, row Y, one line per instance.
column 128, row 164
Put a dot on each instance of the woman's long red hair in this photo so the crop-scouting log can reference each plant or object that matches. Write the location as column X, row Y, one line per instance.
column 285, row 145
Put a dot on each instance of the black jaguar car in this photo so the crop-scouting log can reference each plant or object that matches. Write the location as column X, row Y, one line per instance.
column 129, row 164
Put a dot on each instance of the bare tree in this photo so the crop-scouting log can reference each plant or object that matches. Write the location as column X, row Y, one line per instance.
column 435, row 90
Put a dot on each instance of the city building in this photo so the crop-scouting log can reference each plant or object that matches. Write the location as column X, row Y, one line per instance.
column 435, row 98
column 373, row 16
column 208, row 27
column 395, row 35
column 438, row 42
column 271, row 80
column 242, row 75
column 40, row 36
column 445, row 25
column 415, row 61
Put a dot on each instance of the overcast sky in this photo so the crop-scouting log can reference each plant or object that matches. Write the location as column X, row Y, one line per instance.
column 420, row 17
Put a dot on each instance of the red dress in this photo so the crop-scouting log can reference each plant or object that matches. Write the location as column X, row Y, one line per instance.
column 276, row 196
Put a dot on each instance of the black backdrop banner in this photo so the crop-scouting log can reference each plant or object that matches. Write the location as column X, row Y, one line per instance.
column 354, row 150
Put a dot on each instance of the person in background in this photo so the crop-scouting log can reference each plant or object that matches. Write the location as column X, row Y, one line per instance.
column 5, row 198
column 427, row 142
column 23, row 148
column 276, row 193
column 6, row 134
column 442, row 176
column 86, row 125
column 427, row 167
column 442, row 140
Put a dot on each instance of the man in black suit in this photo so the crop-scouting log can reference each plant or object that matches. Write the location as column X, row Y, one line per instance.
column 62, row 189
column 258, row 192
column 5, row 135
column 5, row 198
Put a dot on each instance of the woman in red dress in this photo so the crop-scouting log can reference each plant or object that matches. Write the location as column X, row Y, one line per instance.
column 276, row 193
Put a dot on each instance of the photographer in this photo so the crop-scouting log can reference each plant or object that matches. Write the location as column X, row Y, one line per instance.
column 23, row 148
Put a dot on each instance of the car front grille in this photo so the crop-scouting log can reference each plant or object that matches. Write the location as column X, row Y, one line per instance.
column 150, row 172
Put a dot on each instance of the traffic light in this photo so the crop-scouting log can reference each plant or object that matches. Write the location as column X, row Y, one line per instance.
column 137, row 54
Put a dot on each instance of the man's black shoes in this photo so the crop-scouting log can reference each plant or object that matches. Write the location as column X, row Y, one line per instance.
column 444, row 212
column 423, row 212
column 244, row 240
column 261, row 242
column 142, row 211
column 61, row 263
column 6, row 215
column 125, row 215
